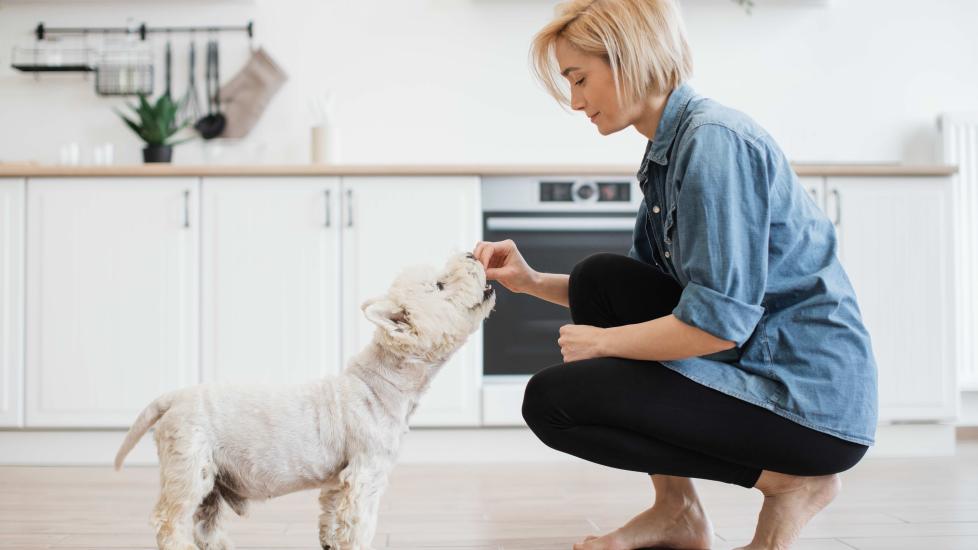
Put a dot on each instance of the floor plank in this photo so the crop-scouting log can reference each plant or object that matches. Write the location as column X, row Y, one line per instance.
column 894, row 504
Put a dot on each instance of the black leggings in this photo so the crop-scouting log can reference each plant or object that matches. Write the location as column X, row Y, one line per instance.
column 642, row 416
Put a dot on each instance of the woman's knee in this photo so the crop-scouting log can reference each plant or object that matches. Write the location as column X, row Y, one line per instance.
column 590, row 270
column 539, row 410
column 585, row 282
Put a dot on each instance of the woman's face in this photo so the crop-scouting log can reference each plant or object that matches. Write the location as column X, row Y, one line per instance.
column 593, row 89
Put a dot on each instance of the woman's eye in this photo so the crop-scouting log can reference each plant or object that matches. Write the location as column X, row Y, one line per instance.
column 441, row 285
column 578, row 83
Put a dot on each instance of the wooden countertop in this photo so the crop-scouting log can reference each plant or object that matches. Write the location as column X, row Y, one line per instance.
column 802, row 169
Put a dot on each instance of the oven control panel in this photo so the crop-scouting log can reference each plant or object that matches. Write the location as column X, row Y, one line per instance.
column 585, row 191
column 561, row 193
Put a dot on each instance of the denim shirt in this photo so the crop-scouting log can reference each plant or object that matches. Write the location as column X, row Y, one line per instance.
column 724, row 215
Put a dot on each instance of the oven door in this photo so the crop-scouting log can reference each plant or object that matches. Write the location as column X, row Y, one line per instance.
column 520, row 337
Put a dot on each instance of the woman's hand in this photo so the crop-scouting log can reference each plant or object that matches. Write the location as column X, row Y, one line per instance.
column 578, row 342
column 504, row 263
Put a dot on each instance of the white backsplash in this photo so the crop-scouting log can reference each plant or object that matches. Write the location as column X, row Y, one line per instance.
column 448, row 81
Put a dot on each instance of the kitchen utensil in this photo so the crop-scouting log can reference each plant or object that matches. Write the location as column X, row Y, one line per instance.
column 211, row 125
column 189, row 103
column 168, row 62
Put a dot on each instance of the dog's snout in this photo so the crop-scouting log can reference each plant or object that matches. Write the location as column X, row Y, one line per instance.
column 470, row 255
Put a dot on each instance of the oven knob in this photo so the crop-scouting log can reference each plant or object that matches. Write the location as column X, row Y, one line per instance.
column 585, row 191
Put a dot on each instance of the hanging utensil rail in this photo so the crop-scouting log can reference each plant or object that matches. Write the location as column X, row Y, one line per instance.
column 142, row 30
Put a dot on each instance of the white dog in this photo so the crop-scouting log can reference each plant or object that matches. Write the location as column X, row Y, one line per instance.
column 341, row 434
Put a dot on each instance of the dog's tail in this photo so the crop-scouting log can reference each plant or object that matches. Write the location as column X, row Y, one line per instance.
column 143, row 422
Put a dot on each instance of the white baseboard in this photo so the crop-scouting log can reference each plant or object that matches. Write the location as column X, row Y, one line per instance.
column 914, row 440
column 968, row 409
column 421, row 445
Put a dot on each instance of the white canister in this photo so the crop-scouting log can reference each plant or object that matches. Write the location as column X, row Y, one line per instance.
column 324, row 146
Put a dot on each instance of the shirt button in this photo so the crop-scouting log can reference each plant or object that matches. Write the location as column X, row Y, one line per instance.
column 667, row 254
column 667, row 240
column 655, row 209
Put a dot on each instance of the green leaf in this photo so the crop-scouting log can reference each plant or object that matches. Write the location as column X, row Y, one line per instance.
column 179, row 141
column 157, row 120
column 135, row 127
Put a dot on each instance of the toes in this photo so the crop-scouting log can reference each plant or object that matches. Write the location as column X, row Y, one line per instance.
column 586, row 544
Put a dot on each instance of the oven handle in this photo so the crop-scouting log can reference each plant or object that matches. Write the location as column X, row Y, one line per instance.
column 560, row 224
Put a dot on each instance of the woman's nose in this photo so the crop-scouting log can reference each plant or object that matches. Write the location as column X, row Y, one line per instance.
column 576, row 101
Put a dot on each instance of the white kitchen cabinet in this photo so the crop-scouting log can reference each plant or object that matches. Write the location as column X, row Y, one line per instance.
column 895, row 242
column 112, row 299
column 11, row 301
column 271, row 279
column 393, row 222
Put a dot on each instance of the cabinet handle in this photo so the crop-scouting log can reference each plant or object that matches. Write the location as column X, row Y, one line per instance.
column 327, row 208
column 838, row 207
column 349, row 207
column 186, row 208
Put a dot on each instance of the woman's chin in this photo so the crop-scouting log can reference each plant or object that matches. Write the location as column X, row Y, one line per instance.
column 608, row 130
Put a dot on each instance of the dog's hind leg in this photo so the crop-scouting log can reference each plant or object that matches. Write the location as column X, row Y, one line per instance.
column 208, row 533
column 186, row 477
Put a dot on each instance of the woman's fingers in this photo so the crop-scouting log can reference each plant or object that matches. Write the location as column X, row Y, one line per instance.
column 484, row 252
column 480, row 252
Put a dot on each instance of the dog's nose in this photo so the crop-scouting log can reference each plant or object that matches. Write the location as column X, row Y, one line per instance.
column 470, row 255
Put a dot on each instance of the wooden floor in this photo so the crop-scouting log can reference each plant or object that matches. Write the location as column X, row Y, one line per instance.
column 892, row 504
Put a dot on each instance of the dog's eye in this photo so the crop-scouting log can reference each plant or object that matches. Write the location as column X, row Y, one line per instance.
column 441, row 285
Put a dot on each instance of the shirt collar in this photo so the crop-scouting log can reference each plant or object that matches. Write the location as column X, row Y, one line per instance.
column 658, row 147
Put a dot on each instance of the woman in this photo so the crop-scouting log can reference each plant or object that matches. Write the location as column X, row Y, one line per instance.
column 727, row 345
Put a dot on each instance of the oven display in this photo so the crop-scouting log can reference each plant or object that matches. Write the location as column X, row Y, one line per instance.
column 556, row 191
column 614, row 191
column 585, row 191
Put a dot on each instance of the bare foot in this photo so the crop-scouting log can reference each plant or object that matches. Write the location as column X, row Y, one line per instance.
column 680, row 526
column 790, row 502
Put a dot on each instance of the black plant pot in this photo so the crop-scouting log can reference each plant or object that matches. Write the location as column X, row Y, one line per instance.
column 157, row 153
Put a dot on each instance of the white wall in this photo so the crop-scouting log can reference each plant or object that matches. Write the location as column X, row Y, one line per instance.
column 447, row 81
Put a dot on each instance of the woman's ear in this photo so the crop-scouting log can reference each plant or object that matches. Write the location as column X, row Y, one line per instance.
column 386, row 314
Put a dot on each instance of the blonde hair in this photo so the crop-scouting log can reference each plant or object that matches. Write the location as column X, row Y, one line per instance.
column 644, row 42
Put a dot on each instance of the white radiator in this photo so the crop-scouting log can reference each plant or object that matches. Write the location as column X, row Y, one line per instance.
column 959, row 132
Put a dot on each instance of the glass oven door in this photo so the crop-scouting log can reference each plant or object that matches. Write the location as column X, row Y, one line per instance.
column 520, row 337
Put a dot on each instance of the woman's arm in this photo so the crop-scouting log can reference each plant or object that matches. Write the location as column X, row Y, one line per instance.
column 551, row 287
column 663, row 339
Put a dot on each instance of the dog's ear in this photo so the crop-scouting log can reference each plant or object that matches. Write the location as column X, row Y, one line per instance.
column 386, row 314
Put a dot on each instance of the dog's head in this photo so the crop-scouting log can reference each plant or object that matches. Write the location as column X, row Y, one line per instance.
column 429, row 313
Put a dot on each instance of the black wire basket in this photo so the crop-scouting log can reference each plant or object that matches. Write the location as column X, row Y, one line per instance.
column 52, row 58
column 124, row 72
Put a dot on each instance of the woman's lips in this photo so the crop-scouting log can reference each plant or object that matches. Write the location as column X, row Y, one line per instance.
column 595, row 116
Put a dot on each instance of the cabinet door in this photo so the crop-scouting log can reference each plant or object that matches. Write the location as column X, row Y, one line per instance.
column 393, row 222
column 112, row 301
column 11, row 301
column 271, row 279
column 895, row 244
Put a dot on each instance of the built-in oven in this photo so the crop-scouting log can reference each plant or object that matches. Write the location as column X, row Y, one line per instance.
column 555, row 222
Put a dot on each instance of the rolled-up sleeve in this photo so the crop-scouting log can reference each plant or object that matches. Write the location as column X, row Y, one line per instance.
column 722, row 227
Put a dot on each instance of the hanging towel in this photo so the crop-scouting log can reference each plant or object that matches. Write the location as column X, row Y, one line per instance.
column 246, row 95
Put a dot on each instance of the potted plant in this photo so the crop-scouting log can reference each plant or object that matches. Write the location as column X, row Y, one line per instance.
column 157, row 125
